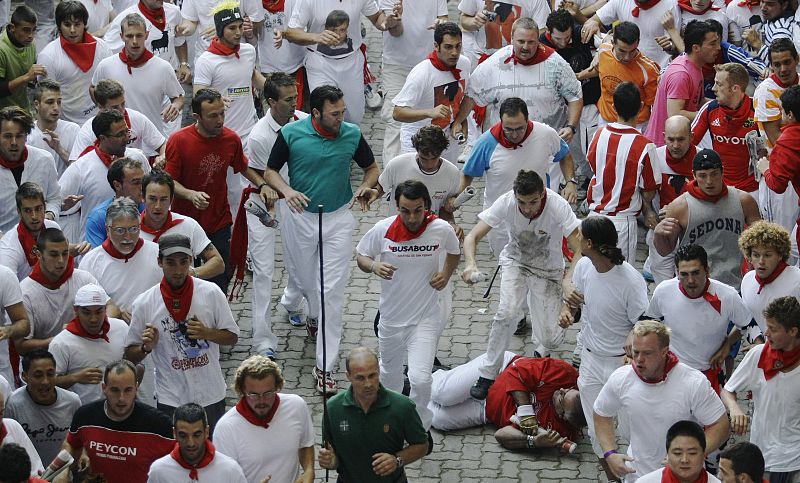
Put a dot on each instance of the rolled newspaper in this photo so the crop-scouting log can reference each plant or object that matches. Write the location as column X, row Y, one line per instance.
column 478, row 277
column 62, row 461
column 464, row 196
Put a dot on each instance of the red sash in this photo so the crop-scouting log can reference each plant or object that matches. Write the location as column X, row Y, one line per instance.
column 775, row 274
column 439, row 65
column 218, row 48
column 132, row 64
column 711, row 299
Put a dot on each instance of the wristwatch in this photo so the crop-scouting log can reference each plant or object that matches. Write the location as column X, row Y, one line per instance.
column 573, row 181
column 574, row 130
column 400, row 461
column 145, row 350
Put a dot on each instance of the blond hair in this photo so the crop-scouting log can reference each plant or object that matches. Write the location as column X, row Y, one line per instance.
column 767, row 235
column 226, row 5
column 737, row 74
column 257, row 367
column 647, row 327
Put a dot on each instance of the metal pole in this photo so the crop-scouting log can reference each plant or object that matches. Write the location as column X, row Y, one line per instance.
column 322, row 330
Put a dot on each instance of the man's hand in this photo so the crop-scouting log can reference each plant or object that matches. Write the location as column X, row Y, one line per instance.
column 296, row 201
column 196, row 330
column 52, row 141
column 668, row 227
column 668, row 20
column 365, row 197
column 199, row 199
column 719, row 357
column 268, row 195
column 384, row 464
column 327, row 458
column 394, row 18
column 762, row 165
column 565, row 318
column 247, row 28
column 159, row 162
column 665, row 42
column 208, row 33
column 527, row 419
column 570, row 7
column 571, row 294
column 466, row 274
column 480, row 20
column 439, row 281
column 126, row 316
column 590, row 28
column 566, row 134
column 328, row 37
column 570, row 192
column 305, row 478
column 89, row 375
column 149, row 336
column 752, row 37
column 36, row 70
column 651, row 219
column 170, row 113
column 439, row 112
column 547, row 439
column 459, row 232
column 5, row 332
column 277, row 38
column 616, row 462
column 740, row 423
column 184, row 74
column 70, row 201
column 78, row 249
column 383, row 269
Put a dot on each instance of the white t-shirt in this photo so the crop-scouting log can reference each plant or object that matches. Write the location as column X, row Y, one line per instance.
column 649, row 22
column 189, row 228
column 289, row 57
column 740, row 16
column 427, row 87
column 655, row 477
column 124, row 280
column 13, row 256
column 497, row 34
column 148, row 88
column 289, row 430
column 5, row 388
column 160, row 43
column 145, row 136
column 613, row 303
column 232, row 76
column 76, row 106
column 186, row 370
column 99, row 12
column 200, row 11
column 776, row 411
column 685, row 17
column 221, row 468
column 408, row 298
column 310, row 15
column 16, row 434
column 787, row 283
column 66, row 131
column 74, row 353
column 653, row 408
column 442, row 184
column 88, row 177
column 40, row 168
column 416, row 42
column 698, row 330
column 10, row 294
column 533, row 244
column 262, row 139
column 48, row 310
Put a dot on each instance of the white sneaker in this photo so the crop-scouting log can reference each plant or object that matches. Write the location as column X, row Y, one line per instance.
column 373, row 96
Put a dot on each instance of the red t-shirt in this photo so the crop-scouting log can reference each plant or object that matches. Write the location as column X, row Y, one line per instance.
column 784, row 161
column 201, row 164
column 541, row 377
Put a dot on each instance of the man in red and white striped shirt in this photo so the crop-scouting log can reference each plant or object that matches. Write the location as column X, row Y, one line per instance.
column 626, row 170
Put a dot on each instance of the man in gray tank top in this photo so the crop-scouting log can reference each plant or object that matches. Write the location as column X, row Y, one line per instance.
column 709, row 214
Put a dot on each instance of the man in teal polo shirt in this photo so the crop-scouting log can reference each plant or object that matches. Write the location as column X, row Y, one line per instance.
column 318, row 151
column 18, row 65
column 368, row 425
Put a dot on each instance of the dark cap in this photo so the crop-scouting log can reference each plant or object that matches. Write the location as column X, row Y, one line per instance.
column 174, row 243
column 225, row 16
column 706, row 159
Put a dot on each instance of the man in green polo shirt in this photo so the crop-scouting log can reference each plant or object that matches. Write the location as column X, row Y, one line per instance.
column 18, row 65
column 368, row 426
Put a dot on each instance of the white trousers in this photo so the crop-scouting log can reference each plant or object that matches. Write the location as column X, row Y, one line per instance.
column 592, row 375
column 544, row 304
column 393, row 77
column 778, row 208
column 627, row 234
column 661, row 268
column 292, row 298
column 300, row 238
column 261, row 246
column 588, row 125
column 347, row 74
column 418, row 342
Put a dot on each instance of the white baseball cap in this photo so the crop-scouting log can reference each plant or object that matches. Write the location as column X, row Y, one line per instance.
column 91, row 295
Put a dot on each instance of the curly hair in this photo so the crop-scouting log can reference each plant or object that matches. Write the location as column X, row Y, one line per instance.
column 430, row 140
column 257, row 367
column 767, row 235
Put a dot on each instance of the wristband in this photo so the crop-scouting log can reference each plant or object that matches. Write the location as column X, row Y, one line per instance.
column 184, row 63
column 372, row 267
column 262, row 185
column 609, row 453
column 574, row 130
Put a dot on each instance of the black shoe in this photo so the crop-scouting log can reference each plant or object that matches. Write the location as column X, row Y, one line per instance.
column 481, row 388
column 430, row 443
column 522, row 327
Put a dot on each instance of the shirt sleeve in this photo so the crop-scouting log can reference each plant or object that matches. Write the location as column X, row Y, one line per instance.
column 766, row 103
column 563, row 150
column 569, row 222
column 637, row 301
column 363, row 155
column 411, row 92
column 279, row 154
column 257, row 152
column 203, row 72
column 139, row 317
column 744, row 376
column 189, row 12
column 495, row 215
column 740, row 315
column 96, row 228
column 369, row 8
column 52, row 190
column 678, row 85
column 11, row 293
column 608, row 13
column 608, row 402
column 174, row 159
column 60, row 355
column 567, row 85
column 152, row 139
column 654, row 309
column 239, row 162
column 708, row 407
column 478, row 161
column 369, row 245
column 451, row 245
column 700, row 124
column 650, row 178
column 223, row 317
column 386, row 178
column 301, row 15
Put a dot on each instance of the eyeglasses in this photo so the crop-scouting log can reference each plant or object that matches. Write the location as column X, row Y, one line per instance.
column 120, row 134
column 262, row 395
column 121, row 230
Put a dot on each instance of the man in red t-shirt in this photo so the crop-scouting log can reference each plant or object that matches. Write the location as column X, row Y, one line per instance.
column 198, row 158
column 534, row 402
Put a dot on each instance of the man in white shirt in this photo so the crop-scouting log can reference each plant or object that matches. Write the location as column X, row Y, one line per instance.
column 414, row 253
column 14, row 433
column 197, row 17
column 91, row 341
column 183, row 321
column 50, row 132
column 20, row 163
column 434, row 89
column 275, row 55
column 686, row 449
column 741, row 463
column 264, row 414
column 150, row 82
column 535, row 220
column 652, row 393
column 11, row 301
column 772, row 372
column 194, row 454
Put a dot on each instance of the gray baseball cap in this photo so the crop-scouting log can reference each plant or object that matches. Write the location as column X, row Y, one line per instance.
column 174, row 243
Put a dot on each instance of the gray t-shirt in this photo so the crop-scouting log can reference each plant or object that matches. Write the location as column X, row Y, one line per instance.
column 47, row 426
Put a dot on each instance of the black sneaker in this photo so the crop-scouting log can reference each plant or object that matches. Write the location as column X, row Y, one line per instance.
column 481, row 388
column 430, row 443
column 522, row 327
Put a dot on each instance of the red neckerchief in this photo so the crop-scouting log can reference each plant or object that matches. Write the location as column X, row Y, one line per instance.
column 111, row 250
column 668, row 477
column 781, row 84
column 81, row 53
column 672, row 361
column 715, row 302
column 682, row 166
column 696, row 192
column 273, row 6
column 157, row 17
column 741, row 113
column 12, row 164
column 207, row 458
column 106, row 158
column 398, row 232
column 541, row 208
column 321, row 130
column 500, row 135
column 178, row 301
column 686, row 6
column 247, row 413
column 646, row 5
column 750, row 3
column 27, row 240
column 132, row 64
column 439, row 65
column 38, row 276
column 775, row 274
column 76, row 328
column 218, row 48
column 157, row 232
column 542, row 53
column 773, row 360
